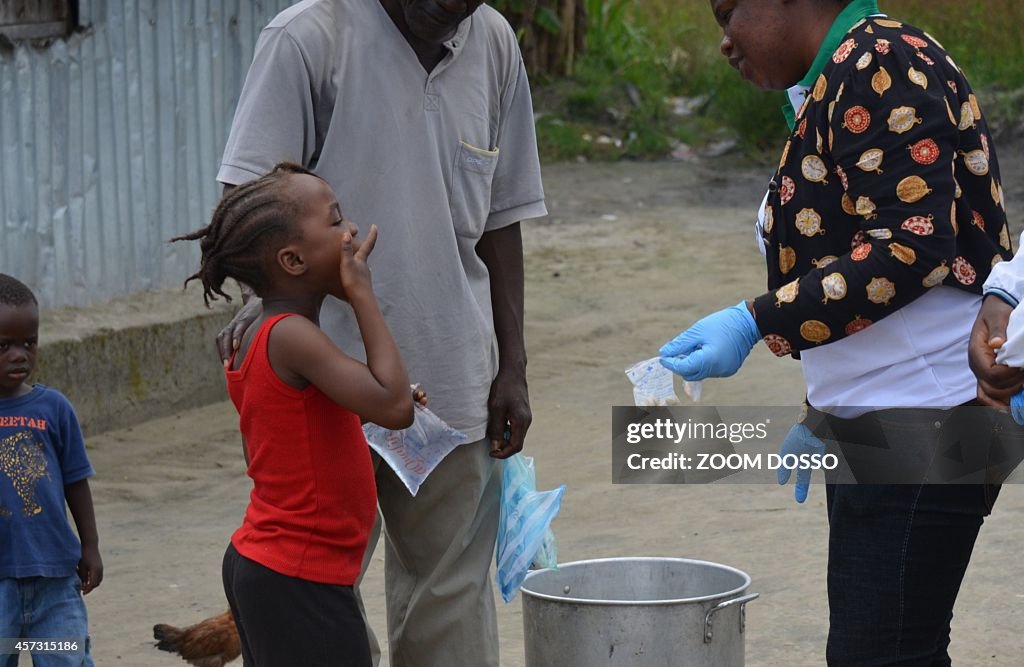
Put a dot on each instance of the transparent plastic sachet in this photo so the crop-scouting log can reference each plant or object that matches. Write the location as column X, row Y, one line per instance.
column 653, row 384
column 413, row 453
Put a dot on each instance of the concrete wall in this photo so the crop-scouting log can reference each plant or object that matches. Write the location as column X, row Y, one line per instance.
column 134, row 359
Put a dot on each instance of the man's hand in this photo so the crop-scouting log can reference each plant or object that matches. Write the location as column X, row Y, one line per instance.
column 715, row 346
column 508, row 405
column 799, row 441
column 90, row 568
column 508, row 414
column 230, row 336
column 996, row 382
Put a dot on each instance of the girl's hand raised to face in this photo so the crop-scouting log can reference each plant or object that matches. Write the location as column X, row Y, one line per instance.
column 355, row 273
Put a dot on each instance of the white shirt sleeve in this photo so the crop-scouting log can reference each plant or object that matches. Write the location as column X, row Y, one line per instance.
column 759, row 226
column 1007, row 278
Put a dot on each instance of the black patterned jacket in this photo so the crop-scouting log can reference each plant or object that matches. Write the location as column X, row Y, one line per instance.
column 888, row 186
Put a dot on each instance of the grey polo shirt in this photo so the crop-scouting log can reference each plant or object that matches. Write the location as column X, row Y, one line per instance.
column 434, row 160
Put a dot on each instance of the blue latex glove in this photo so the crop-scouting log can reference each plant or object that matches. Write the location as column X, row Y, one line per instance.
column 1017, row 407
column 713, row 347
column 799, row 441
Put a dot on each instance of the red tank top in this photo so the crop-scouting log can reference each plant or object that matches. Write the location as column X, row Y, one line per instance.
column 314, row 498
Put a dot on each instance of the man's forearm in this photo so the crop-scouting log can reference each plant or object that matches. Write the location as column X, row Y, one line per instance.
column 502, row 252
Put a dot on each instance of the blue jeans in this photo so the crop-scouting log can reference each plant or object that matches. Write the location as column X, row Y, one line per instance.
column 897, row 556
column 45, row 608
column 899, row 545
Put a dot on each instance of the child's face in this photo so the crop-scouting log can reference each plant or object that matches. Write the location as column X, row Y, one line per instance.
column 19, row 335
column 322, row 225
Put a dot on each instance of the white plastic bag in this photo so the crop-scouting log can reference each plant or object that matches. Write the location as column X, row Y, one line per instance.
column 413, row 453
column 653, row 384
column 525, row 537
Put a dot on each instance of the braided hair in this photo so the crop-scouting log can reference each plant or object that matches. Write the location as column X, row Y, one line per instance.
column 13, row 292
column 248, row 226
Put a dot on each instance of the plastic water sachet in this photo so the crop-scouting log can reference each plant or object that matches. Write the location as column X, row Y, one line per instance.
column 414, row 452
column 525, row 537
column 653, row 384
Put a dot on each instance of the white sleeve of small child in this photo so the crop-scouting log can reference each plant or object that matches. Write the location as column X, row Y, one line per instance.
column 1007, row 278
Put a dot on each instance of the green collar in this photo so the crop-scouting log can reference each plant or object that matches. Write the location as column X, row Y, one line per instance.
column 853, row 12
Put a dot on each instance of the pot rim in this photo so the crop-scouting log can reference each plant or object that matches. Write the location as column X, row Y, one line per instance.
column 635, row 603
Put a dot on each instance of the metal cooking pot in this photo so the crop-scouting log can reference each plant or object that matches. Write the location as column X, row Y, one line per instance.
column 619, row 612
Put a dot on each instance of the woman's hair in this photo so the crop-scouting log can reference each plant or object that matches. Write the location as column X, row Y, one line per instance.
column 249, row 224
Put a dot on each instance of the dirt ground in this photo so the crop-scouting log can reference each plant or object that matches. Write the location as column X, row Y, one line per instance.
column 630, row 254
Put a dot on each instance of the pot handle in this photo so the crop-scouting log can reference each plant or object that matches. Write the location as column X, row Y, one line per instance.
column 742, row 601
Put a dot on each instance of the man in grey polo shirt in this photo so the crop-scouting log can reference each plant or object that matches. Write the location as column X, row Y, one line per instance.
column 418, row 114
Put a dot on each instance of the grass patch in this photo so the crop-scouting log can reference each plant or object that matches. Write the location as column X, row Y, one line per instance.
column 643, row 55
column 983, row 36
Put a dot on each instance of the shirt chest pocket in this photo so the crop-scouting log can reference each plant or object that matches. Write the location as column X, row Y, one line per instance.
column 470, row 200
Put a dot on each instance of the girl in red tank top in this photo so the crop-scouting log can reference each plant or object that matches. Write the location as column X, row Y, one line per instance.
column 290, row 567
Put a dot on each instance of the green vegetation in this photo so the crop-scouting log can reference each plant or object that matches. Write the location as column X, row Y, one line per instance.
column 983, row 36
column 645, row 59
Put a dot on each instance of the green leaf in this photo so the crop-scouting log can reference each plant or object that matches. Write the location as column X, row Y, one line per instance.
column 548, row 20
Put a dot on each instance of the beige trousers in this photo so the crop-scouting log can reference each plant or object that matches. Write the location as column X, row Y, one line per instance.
column 439, row 547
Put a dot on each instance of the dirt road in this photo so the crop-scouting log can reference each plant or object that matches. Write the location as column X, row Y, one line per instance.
column 630, row 254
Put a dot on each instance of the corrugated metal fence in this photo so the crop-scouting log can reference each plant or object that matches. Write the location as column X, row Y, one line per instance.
column 110, row 142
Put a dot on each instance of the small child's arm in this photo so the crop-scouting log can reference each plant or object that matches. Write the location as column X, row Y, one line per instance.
column 90, row 567
column 419, row 397
column 377, row 391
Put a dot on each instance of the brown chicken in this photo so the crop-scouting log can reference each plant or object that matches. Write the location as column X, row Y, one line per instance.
column 210, row 643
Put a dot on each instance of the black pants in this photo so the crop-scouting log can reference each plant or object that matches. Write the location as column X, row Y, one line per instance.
column 897, row 556
column 284, row 621
column 900, row 544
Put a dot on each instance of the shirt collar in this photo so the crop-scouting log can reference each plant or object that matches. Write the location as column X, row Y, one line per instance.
column 851, row 14
column 458, row 40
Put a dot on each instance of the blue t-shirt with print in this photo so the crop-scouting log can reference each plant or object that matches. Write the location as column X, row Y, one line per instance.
column 41, row 451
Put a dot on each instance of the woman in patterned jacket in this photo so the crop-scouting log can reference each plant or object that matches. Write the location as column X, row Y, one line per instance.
column 879, row 228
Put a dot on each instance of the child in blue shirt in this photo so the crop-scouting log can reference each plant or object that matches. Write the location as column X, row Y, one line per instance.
column 44, row 569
